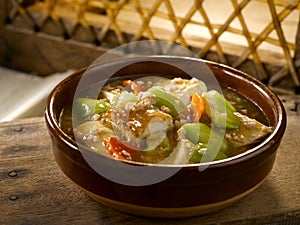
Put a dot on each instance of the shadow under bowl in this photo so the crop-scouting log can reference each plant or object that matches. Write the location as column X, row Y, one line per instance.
column 164, row 190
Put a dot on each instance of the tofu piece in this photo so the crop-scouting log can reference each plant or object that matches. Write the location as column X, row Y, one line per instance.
column 250, row 131
column 182, row 88
column 181, row 153
column 92, row 134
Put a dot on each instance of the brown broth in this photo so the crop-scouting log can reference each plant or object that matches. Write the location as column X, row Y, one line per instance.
column 244, row 106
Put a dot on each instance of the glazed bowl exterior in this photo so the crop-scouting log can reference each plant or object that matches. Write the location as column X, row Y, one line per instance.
column 188, row 192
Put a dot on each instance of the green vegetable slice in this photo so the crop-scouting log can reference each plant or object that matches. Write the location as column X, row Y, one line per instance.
column 175, row 105
column 201, row 133
column 200, row 149
column 221, row 111
column 88, row 107
column 196, row 132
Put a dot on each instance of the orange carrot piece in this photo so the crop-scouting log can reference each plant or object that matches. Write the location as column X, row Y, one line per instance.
column 127, row 82
column 197, row 105
column 133, row 85
column 119, row 150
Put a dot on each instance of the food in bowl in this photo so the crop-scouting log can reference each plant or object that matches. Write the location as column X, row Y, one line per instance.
column 185, row 190
column 165, row 121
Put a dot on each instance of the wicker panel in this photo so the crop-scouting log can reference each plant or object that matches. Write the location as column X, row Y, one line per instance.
column 105, row 23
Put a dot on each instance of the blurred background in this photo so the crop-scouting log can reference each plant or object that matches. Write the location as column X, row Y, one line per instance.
column 43, row 41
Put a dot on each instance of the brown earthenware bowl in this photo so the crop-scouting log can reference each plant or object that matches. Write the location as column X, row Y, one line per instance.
column 187, row 190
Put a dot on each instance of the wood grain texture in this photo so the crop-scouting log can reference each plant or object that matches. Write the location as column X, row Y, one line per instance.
column 33, row 190
column 43, row 54
column 2, row 13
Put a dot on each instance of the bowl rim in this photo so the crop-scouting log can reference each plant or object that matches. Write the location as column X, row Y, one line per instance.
column 274, row 137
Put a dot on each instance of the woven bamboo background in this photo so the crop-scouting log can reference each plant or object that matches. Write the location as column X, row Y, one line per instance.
column 101, row 23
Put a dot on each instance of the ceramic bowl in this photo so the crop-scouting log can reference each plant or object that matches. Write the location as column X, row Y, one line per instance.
column 187, row 190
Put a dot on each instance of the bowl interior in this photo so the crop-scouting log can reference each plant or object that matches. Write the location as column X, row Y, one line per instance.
column 171, row 67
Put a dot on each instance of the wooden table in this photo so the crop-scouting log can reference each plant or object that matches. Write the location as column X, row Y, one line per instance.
column 33, row 190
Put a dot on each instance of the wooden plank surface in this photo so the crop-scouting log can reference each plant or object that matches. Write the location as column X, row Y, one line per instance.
column 43, row 54
column 33, row 190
